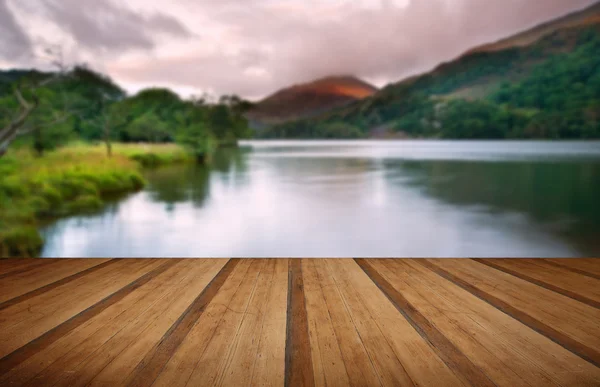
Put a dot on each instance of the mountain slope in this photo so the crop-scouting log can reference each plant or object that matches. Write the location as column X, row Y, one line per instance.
column 587, row 16
column 558, row 70
column 305, row 100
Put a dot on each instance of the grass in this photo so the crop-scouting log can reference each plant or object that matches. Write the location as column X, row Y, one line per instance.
column 72, row 180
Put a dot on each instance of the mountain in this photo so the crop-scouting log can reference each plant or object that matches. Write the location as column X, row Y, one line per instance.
column 587, row 16
column 309, row 99
column 541, row 83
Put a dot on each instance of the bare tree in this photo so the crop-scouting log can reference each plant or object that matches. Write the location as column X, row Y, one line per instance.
column 17, row 126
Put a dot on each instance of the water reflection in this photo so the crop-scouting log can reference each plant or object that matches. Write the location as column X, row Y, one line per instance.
column 561, row 197
column 356, row 199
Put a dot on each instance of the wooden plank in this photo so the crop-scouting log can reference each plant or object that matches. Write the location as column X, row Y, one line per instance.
column 11, row 264
column 587, row 266
column 390, row 370
column 178, row 370
column 96, row 359
column 328, row 362
column 38, row 277
column 75, row 347
column 445, row 349
column 359, row 365
column 211, row 366
column 564, row 321
column 49, row 306
column 578, row 287
column 417, row 357
column 243, row 352
column 28, row 264
column 17, row 352
column 298, row 363
column 152, row 364
column 269, row 369
column 13, row 294
column 147, row 341
column 564, row 264
column 507, row 351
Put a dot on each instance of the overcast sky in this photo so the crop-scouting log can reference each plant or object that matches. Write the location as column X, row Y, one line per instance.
column 254, row 47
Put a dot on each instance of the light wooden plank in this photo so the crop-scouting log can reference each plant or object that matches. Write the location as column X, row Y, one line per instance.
column 579, row 287
column 359, row 365
column 390, row 370
column 243, row 352
column 507, row 351
column 269, row 368
column 589, row 266
column 213, row 361
column 38, row 277
column 169, row 329
column 570, row 323
column 179, row 368
column 415, row 354
column 328, row 363
column 114, row 360
column 77, row 345
column 45, row 312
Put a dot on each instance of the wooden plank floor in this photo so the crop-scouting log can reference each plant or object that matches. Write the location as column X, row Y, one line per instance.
column 309, row 322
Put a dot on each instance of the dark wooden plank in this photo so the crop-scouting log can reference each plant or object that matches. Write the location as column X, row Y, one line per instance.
column 570, row 268
column 589, row 354
column 298, row 361
column 155, row 360
column 446, row 350
column 53, row 285
column 23, row 353
column 544, row 284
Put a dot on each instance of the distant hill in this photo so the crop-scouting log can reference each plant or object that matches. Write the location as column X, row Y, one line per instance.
column 541, row 83
column 309, row 99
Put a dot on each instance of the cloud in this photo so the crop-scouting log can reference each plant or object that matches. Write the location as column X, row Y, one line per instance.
column 14, row 43
column 254, row 47
column 297, row 41
column 104, row 25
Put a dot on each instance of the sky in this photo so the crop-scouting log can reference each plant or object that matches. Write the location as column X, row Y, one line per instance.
column 254, row 47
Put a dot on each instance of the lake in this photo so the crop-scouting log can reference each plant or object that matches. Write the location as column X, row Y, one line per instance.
column 355, row 198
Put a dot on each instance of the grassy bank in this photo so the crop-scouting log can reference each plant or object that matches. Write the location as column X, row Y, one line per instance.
column 72, row 180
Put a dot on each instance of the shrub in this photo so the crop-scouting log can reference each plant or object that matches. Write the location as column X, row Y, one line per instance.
column 23, row 241
column 85, row 203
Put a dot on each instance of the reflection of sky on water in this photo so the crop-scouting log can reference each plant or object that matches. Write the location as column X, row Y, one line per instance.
column 269, row 204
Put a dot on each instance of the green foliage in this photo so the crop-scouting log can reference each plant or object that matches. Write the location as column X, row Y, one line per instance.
column 22, row 241
column 88, row 106
column 67, row 181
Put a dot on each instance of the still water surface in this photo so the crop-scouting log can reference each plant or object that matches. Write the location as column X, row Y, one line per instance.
column 356, row 198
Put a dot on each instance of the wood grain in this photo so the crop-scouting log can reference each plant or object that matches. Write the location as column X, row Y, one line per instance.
column 298, row 363
column 297, row 322
column 446, row 350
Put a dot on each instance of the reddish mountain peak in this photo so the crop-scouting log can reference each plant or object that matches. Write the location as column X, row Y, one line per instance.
column 311, row 98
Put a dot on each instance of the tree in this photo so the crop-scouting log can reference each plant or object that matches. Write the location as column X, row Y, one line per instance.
column 26, row 94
